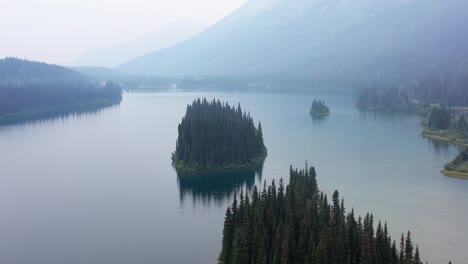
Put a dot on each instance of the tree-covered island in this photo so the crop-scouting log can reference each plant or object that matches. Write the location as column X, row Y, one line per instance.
column 319, row 109
column 216, row 137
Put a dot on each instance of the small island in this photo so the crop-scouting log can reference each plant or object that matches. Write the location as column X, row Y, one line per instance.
column 319, row 109
column 215, row 137
column 458, row 167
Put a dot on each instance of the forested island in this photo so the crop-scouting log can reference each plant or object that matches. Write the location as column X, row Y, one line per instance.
column 297, row 224
column 216, row 137
column 458, row 167
column 319, row 109
column 31, row 90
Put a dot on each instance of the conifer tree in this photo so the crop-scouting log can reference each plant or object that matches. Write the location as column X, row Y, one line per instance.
column 215, row 136
column 298, row 225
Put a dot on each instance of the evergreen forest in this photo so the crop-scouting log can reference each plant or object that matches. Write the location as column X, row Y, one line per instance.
column 297, row 224
column 214, row 136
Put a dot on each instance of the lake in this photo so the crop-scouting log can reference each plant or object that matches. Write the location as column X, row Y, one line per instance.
column 100, row 188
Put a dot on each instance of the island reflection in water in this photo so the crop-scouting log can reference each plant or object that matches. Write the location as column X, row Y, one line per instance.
column 216, row 189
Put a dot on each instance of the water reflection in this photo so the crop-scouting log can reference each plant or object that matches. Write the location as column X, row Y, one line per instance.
column 318, row 120
column 440, row 146
column 215, row 189
column 375, row 115
column 57, row 114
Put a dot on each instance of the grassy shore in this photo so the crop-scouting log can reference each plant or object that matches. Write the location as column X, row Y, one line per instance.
column 54, row 111
column 190, row 171
column 455, row 174
column 452, row 136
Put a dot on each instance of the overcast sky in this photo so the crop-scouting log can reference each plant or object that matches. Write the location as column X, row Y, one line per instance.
column 58, row 31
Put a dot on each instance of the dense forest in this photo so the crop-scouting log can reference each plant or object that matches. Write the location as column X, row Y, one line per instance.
column 385, row 99
column 216, row 136
column 297, row 224
column 26, row 85
column 319, row 109
column 440, row 117
column 446, row 86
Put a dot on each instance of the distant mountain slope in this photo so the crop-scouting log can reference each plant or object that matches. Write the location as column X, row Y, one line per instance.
column 99, row 73
column 18, row 72
column 114, row 55
column 321, row 38
column 30, row 90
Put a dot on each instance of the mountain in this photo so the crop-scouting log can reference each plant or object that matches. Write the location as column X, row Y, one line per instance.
column 323, row 39
column 102, row 74
column 168, row 35
column 18, row 72
column 31, row 90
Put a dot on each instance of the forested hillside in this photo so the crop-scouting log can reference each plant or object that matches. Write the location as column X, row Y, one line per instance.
column 26, row 85
column 324, row 42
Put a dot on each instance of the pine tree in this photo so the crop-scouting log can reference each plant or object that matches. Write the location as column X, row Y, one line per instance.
column 298, row 225
column 408, row 249
column 417, row 258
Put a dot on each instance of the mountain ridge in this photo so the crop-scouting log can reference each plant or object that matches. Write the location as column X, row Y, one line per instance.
column 326, row 39
column 166, row 36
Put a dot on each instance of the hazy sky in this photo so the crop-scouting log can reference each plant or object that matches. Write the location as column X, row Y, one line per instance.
column 58, row 31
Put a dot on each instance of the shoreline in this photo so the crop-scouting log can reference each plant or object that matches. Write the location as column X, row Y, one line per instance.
column 238, row 168
column 436, row 136
column 455, row 174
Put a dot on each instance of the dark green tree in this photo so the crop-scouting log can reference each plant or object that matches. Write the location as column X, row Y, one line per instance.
column 296, row 224
column 215, row 136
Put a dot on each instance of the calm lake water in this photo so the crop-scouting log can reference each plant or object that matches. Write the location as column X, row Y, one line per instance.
column 100, row 188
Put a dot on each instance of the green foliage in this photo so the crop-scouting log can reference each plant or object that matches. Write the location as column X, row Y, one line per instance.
column 298, row 225
column 319, row 109
column 460, row 163
column 439, row 118
column 215, row 136
column 447, row 124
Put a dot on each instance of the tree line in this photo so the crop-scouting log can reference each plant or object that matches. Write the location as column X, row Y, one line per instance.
column 27, row 85
column 386, row 99
column 215, row 135
column 297, row 224
column 446, row 86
